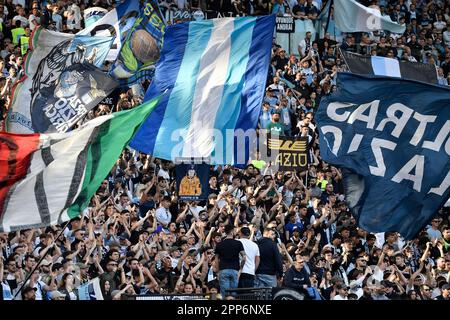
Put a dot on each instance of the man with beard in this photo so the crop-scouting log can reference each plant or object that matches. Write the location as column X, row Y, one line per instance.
column 275, row 126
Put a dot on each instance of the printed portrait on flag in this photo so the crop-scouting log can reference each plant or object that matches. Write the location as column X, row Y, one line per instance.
column 67, row 100
column 141, row 47
column 50, row 97
column 192, row 181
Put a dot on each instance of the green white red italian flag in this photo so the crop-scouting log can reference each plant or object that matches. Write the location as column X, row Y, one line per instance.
column 48, row 179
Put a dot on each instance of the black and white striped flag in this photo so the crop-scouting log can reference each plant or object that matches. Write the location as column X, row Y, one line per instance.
column 381, row 66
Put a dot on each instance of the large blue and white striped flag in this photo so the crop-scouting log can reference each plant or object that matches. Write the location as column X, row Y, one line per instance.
column 214, row 73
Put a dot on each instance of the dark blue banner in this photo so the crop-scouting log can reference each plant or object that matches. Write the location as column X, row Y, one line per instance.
column 393, row 137
column 192, row 181
column 79, row 88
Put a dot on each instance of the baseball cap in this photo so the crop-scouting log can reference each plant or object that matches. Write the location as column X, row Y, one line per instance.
column 446, row 286
column 342, row 286
column 46, row 262
column 123, row 236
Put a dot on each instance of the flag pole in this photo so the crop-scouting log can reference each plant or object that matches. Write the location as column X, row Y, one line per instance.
column 39, row 262
column 328, row 18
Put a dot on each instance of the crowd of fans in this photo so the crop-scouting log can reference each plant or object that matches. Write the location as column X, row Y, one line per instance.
column 258, row 228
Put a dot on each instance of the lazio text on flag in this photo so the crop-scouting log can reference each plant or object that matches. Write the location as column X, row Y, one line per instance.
column 59, row 61
column 393, row 135
column 47, row 179
column 215, row 73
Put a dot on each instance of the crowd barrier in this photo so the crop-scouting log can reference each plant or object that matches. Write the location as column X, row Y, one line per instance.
column 258, row 294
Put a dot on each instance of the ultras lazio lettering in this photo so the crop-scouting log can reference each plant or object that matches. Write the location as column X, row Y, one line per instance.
column 394, row 120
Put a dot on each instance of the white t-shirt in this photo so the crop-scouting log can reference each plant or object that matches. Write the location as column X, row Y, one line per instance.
column 23, row 21
column 446, row 35
column 439, row 25
column 237, row 193
column 195, row 211
column 287, row 196
column 163, row 173
column 339, row 297
column 305, row 45
column 30, row 20
column 251, row 251
column 163, row 215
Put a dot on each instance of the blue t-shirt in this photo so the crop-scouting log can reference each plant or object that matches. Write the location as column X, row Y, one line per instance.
column 278, row 9
column 290, row 227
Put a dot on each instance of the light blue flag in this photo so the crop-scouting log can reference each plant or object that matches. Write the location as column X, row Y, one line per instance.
column 351, row 16
column 95, row 48
column 214, row 72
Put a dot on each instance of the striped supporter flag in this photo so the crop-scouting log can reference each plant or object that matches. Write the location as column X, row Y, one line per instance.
column 381, row 66
column 47, row 179
column 215, row 73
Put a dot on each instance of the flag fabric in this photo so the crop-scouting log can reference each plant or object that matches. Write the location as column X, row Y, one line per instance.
column 323, row 18
column 90, row 290
column 92, row 15
column 58, row 173
column 392, row 138
column 80, row 87
column 381, row 66
column 215, row 73
column 141, row 46
column 115, row 24
column 351, row 16
column 54, row 72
